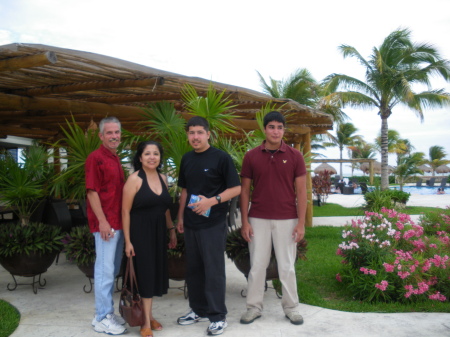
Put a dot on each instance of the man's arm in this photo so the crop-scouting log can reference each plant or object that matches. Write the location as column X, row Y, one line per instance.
column 96, row 206
column 300, row 191
column 246, row 228
column 180, row 220
column 206, row 203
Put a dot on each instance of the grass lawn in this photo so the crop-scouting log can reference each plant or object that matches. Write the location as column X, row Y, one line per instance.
column 338, row 210
column 317, row 284
column 9, row 319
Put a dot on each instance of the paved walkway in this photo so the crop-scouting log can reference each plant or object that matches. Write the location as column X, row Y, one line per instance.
column 62, row 309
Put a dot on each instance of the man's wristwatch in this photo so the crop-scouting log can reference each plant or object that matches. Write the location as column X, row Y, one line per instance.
column 219, row 199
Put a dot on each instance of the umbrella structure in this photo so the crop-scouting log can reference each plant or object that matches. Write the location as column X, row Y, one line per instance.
column 443, row 169
column 325, row 167
column 376, row 168
column 425, row 168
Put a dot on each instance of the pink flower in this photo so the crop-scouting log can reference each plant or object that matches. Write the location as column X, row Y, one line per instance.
column 382, row 285
column 338, row 277
column 403, row 274
column 437, row 296
column 388, row 267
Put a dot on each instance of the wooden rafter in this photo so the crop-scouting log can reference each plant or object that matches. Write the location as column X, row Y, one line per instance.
column 37, row 60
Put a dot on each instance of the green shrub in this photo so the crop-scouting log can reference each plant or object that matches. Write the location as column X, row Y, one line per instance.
column 377, row 199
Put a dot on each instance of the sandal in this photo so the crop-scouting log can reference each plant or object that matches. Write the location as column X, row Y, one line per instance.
column 146, row 332
column 155, row 325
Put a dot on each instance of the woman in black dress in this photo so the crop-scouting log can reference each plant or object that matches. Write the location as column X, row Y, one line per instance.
column 146, row 218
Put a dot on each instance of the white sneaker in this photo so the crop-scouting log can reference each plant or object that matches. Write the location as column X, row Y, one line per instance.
column 110, row 326
column 216, row 328
column 118, row 319
column 190, row 318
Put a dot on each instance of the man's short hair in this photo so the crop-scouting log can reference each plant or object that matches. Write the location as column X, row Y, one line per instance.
column 274, row 116
column 108, row 120
column 197, row 121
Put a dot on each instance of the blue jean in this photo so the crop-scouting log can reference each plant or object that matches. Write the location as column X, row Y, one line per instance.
column 107, row 266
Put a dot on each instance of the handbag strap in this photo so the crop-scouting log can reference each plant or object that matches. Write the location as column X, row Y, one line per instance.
column 129, row 272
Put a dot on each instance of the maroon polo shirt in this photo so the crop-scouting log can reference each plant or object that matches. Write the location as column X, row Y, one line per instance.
column 273, row 175
column 104, row 174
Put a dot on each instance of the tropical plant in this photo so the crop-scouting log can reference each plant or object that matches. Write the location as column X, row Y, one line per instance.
column 72, row 151
column 321, row 185
column 436, row 157
column 345, row 136
column 304, row 89
column 34, row 237
column 22, row 185
column 300, row 86
column 79, row 246
column 392, row 70
column 407, row 166
column 360, row 150
column 377, row 199
column 214, row 107
column 388, row 258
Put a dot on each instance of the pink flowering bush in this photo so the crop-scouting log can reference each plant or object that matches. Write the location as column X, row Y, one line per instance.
column 387, row 257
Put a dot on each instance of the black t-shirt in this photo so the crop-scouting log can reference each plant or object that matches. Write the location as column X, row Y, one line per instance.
column 207, row 173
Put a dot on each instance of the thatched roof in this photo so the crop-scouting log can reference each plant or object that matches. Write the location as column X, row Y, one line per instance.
column 41, row 86
column 325, row 167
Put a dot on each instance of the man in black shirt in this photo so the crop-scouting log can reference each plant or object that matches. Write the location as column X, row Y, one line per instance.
column 208, row 180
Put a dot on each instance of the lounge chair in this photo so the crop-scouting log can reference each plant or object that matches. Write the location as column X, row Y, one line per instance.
column 419, row 182
column 431, row 182
column 444, row 181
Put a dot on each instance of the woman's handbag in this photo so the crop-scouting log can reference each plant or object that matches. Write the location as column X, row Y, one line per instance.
column 130, row 306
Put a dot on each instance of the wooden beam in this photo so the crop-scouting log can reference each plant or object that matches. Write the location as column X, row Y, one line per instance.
column 62, row 107
column 38, row 60
column 86, row 86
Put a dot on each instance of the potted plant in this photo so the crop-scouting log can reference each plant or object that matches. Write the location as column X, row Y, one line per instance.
column 79, row 247
column 27, row 248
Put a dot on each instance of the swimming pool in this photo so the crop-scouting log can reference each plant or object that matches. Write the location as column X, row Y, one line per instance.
column 422, row 190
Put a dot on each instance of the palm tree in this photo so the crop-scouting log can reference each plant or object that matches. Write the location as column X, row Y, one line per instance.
column 304, row 89
column 393, row 137
column 344, row 137
column 361, row 150
column 436, row 157
column 407, row 166
column 391, row 72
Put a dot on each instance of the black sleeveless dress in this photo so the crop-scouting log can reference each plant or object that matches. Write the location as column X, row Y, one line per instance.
column 148, row 234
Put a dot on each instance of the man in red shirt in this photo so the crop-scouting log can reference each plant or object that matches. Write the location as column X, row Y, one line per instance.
column 104, row 185
column 277, row 173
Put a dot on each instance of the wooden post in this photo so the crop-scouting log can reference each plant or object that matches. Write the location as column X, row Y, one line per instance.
column 309, row 206
column 371, row 172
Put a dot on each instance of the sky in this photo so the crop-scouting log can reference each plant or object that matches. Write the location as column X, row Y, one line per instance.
column 230, row 41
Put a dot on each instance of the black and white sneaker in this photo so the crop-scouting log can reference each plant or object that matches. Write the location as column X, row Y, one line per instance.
column 190, row 318
column 216, row 328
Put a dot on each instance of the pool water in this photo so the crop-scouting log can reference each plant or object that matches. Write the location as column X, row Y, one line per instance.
column 422, row 190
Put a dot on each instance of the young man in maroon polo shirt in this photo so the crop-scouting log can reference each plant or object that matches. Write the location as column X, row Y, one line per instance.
column 277, row 173
column 104, row 185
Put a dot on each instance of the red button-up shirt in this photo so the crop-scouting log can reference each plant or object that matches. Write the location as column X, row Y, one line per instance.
column 104, row 175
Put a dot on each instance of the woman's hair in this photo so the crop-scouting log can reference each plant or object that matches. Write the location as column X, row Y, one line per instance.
column 140, row 149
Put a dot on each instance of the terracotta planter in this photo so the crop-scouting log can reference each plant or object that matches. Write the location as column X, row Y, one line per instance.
column 177, row 267
column 87, row 270
column 28, row 265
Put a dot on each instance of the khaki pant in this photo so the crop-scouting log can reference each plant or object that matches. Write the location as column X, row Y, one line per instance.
column 278, row 232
